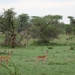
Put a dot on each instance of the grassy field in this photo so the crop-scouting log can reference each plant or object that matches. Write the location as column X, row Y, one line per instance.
column 61, row 60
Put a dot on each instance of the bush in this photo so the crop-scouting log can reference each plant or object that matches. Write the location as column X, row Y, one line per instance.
column 71, row 48
column 50, row 47
column 41, row 43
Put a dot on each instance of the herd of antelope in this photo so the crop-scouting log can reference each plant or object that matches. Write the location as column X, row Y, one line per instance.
column 38, row 58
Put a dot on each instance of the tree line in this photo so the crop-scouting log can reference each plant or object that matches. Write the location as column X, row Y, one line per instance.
column 23, row 27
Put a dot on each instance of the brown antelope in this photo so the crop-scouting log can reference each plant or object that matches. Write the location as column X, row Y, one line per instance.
column 6, row 58
column 44, row 57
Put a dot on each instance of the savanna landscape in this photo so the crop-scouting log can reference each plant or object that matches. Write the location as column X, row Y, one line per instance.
column 37, row 45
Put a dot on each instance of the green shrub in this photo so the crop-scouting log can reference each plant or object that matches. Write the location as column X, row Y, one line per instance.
column 71, row 48
column 50, row 47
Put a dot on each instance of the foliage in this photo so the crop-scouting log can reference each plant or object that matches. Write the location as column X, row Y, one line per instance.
column 46, row 28
column 23, row 21
column 7, row 20
column 23, row 27
column 72, row 23
column 68, row 29
column 7, row 23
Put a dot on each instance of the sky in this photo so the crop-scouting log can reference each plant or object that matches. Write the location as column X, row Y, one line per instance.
column 41, row 8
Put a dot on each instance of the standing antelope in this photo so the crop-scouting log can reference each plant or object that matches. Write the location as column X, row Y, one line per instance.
column 6, row 58
column 44, row 57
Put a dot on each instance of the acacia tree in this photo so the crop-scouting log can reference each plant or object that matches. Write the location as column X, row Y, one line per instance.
column 46, row 28
column 7, row 22
column 24, row 25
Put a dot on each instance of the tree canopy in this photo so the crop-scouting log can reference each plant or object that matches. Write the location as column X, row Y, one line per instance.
column 44, row 28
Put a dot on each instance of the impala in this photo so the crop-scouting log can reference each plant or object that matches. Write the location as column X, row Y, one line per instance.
column 5, row 58
column 44, row 58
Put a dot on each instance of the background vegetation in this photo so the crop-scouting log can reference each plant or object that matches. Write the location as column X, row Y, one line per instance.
column 29, row 37
column 23, row 27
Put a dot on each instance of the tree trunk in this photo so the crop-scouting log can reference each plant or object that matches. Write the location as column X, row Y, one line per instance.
column 13, row 41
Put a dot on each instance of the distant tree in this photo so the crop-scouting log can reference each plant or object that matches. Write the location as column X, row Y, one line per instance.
column 23, row 28
column 72, row 23
column 68, row 29
column 23, row 20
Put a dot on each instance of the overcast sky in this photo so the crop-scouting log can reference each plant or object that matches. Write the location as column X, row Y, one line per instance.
column 41, row 7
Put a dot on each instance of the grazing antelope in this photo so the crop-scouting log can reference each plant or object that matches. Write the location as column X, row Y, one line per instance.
column 6, row 58
column 44, row 57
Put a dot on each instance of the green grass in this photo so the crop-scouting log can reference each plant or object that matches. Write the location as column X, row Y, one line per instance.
column 61, row 61
column 65, row 39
